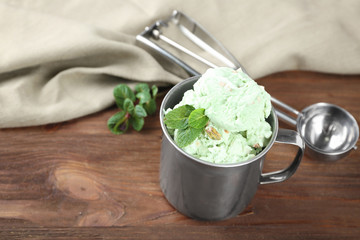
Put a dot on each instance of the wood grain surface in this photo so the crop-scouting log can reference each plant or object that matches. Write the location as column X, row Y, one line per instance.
column 76, row 180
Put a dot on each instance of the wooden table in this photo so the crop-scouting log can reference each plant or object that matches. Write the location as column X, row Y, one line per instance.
column 76, row 180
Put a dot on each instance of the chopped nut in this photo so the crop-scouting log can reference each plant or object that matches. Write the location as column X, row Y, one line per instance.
column 225, row 86
column 256, row 145
column 212, row 133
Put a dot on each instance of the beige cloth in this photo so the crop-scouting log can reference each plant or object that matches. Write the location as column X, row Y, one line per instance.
column 61, row 59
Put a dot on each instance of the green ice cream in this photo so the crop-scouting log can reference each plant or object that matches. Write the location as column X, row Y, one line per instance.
column 237, row 108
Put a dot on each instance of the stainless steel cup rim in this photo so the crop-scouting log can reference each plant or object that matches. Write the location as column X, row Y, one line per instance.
column 303, row 118
column 223, row 165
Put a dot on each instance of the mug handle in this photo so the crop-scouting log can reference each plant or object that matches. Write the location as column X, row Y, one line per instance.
column 288, row 137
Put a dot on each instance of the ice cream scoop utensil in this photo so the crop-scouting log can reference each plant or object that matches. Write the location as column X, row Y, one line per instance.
column 330, row 132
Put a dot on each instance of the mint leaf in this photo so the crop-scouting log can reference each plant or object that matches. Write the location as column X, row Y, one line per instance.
column 119, row 102
column 142, row 87
column 121, row 92
column 118, row 123
column 150, row 107
column 144, row 97
column 139, row 111
column 128, row 106
column 185, row 137
column 137, row 123
column 178, row 117
column 198, row 119
column 171, row 132
column 154, row 91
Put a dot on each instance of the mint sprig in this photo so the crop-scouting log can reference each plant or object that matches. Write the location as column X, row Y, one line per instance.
column 134, row 107
column 189, row 121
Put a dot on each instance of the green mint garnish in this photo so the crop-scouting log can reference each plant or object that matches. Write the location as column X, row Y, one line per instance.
column 145, row 97
column 128, row 106
column 178, row 118
column 185, row 137
column 121, row 92
column 139, row 111
column 154, row 90
column 117, row 123
column 134, row 107
column 189, row 121
column 137, row 123
column 198, row 119
column 142, row 87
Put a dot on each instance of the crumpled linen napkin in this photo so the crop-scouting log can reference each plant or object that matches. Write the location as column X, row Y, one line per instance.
column 60, row 60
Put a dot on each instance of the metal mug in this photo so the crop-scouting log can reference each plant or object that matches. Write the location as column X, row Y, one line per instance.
column 209, row 191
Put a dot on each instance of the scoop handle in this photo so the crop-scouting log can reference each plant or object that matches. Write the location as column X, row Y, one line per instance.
column 286, row 118
column 283, row 116
column 284, row 105
column 286, row 136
